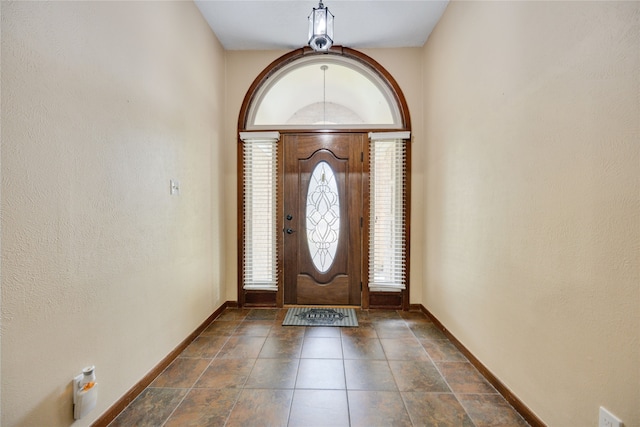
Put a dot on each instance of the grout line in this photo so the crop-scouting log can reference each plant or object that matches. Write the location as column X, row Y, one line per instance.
column 201, row 374
column 294, row 388
column 242, row 387
column 404, row 402
column 445, row 380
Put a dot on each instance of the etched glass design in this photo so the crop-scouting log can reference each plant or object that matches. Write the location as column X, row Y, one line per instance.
column 323, row 216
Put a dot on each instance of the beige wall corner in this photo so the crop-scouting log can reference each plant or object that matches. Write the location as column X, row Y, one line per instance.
column 531, row 121
column 405, row 65
column 102, row 104
column 242, row 69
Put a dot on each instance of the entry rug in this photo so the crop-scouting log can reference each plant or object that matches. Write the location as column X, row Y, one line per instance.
column 306, row 316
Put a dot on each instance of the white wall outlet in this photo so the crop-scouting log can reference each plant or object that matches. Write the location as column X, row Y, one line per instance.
column 174, row 187
column 607, row 419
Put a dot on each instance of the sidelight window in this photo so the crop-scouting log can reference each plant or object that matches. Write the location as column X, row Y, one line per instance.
column 387, row 234
column 260, row 167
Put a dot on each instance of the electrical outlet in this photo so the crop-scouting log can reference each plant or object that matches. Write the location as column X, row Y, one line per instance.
column 607, row 419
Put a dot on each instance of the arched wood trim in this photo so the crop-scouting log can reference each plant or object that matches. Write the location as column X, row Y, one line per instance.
column 369, row 299
column 346, row 52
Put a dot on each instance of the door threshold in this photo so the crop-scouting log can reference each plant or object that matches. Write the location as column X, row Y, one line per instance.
column 358, row 307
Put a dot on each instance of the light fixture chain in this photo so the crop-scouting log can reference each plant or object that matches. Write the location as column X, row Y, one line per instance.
column 324, row 93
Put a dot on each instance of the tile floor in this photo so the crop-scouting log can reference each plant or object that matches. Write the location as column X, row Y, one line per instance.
column 245, row 369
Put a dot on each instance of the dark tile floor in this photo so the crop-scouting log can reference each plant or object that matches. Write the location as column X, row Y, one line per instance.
column 246, row 369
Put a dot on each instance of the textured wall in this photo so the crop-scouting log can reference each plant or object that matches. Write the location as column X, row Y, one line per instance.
column 405, row 65
column 532, row 116
column 102, row 104
column 242, row 68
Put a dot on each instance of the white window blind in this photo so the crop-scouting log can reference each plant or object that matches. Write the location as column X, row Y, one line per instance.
column 260, row 152
column 387, row 243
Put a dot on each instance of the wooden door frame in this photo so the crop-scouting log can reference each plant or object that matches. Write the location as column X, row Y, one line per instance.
column 339, row 147
column 387, row 300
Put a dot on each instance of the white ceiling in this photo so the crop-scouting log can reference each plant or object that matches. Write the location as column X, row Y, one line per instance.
column 282, row 24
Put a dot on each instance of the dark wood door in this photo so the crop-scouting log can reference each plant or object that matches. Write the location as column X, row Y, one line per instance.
column 323, row 218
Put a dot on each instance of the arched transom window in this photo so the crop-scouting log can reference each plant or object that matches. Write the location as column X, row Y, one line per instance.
column 324, row 91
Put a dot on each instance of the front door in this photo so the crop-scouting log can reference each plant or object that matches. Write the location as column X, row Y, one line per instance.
column 323, row 218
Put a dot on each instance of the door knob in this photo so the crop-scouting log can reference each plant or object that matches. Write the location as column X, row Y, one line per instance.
column 289, row 231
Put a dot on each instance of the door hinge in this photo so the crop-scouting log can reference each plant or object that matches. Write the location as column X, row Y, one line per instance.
column 362, row 156
column 360, row 286
column 361, row 222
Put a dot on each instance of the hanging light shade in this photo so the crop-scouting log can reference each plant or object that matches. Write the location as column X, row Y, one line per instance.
column 320, row 28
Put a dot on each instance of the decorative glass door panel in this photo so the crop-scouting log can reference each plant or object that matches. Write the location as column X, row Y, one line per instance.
column 322, row 214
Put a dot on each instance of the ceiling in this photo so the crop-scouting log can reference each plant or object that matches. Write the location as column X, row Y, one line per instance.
column 282, row 24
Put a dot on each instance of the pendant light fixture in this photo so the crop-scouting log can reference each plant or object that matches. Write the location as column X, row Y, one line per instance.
column 320, row 28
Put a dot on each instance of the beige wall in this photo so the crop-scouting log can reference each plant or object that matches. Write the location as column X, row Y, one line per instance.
column 531, row 117
column 244, row 66
column 102, row 104
column 405, row 65
column 525, row 194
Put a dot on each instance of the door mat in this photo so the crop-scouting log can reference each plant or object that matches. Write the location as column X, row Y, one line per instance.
column 306, row 316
